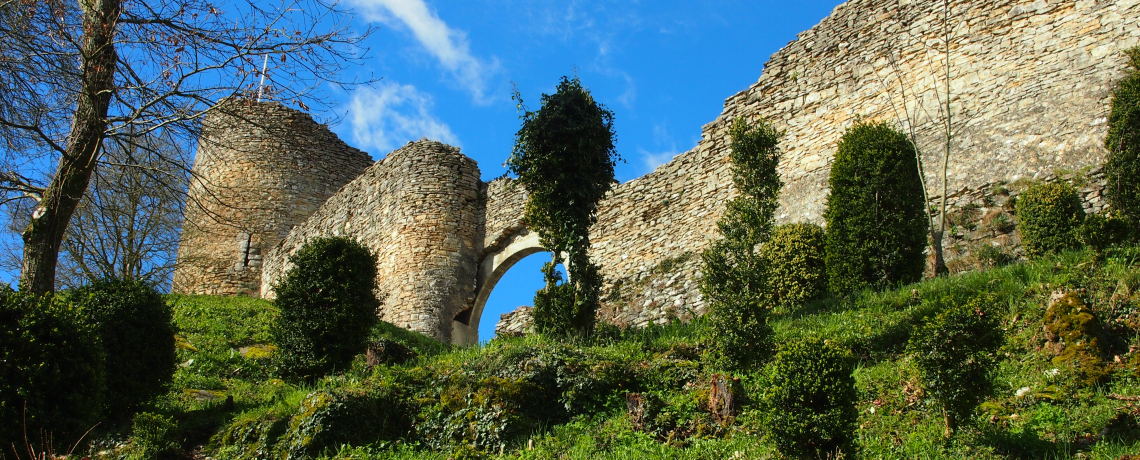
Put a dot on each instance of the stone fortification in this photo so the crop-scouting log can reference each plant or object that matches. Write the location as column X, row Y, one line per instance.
column 1030, row 83
column 260, row 169
column 419, row 211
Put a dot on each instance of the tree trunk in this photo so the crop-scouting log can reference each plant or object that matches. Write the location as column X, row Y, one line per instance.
column 940, row 262
column 45, row 232
column 951, row 423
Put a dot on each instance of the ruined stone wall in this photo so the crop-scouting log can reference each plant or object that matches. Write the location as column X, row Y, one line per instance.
column 1030, row 82
column 506, row 200
column 260, row 169
column 419, row 210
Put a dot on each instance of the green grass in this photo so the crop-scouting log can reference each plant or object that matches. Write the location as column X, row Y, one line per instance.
column 537, row 397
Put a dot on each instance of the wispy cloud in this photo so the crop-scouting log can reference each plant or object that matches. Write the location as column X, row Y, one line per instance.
column 653, row 160
column 667, row 149
column 449, row 46
column 389, row 115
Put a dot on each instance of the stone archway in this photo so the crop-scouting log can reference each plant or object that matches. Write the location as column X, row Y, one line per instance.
column 465, row 327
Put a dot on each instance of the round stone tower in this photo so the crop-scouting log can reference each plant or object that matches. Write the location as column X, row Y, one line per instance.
column 260, row 169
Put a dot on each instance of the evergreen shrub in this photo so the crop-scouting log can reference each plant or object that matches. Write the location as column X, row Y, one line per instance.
column 51, row 370
column 735, row 277
column 809, row 402
column 876, row 222
column 955, row 355
column 136, row 328
column 328, row 306
column 1099, row 232
column 1122, row 167
column 1049, row 216
column 564, row 155
column 358, row 416
column 153, row 437
column 796, row 267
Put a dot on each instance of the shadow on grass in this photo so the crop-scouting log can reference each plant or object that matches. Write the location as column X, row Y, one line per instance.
column 1024, row 445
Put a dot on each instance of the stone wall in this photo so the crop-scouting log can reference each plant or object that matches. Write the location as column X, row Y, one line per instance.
column 260, row 169
column 506, row 200
column 1030, row 84
column 419, row 210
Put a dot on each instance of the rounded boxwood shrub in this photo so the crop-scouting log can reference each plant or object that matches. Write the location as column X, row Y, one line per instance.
column 797, row 271
column 1049, row 217
column 876, row 222
column 955, row 355
column 328, row 306
column 1099, row 232
column 810, row 400
column 1122, row 167
column 330, row 419
column 51, row 370
column 136, row 328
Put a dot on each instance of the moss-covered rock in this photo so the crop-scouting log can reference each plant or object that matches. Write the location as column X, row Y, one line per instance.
column 1077, row 338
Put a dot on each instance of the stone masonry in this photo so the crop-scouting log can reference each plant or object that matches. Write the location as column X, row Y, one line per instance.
column 261, row 168
column 419, row 211
column 1030, row 85
column 1030, row 82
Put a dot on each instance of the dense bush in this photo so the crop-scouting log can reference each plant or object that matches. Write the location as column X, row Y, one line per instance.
column 955, row 355
column 796, row 268
column 809, row 401
column 153, row 437
column 328, row 306
column 51, row 370
column 564, row 155
column 734, row 276
column 1049, row 216
column 876, row 222
column 135, row 326
column 356, row 415
column 1099, row 232
column 1122, row 168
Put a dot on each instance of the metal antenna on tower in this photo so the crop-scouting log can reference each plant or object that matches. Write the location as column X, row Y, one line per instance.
column 261, row 85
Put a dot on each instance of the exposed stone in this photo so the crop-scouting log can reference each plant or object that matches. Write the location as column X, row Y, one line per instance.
column 1030, row 85
column 419, row 211
column 515, row 323
column 261, row 168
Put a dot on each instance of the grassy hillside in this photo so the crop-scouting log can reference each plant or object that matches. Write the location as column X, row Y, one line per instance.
column 539, row 398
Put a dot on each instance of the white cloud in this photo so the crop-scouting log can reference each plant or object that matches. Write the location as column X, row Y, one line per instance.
column 653, row 160
column 661, row 137
column 449, row 46
column 388, row 116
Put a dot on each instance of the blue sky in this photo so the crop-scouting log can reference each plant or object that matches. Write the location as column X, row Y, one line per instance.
column 447, row 69
column 664, row 69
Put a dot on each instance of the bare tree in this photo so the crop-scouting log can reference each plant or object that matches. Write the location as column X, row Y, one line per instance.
column 912, row 117
column 128, row 223
column 127, row 226
column 75, row 75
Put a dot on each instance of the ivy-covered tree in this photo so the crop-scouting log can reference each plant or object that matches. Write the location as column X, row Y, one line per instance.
column 1122, row 168
column 734, row 280
column 876, row 221
column 564, row 156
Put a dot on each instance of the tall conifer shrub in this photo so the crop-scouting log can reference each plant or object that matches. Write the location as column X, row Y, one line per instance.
column 876, row 225
column 1122, row 169
column 735, row 276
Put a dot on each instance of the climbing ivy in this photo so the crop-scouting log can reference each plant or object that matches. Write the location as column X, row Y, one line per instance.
column 564, row 156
